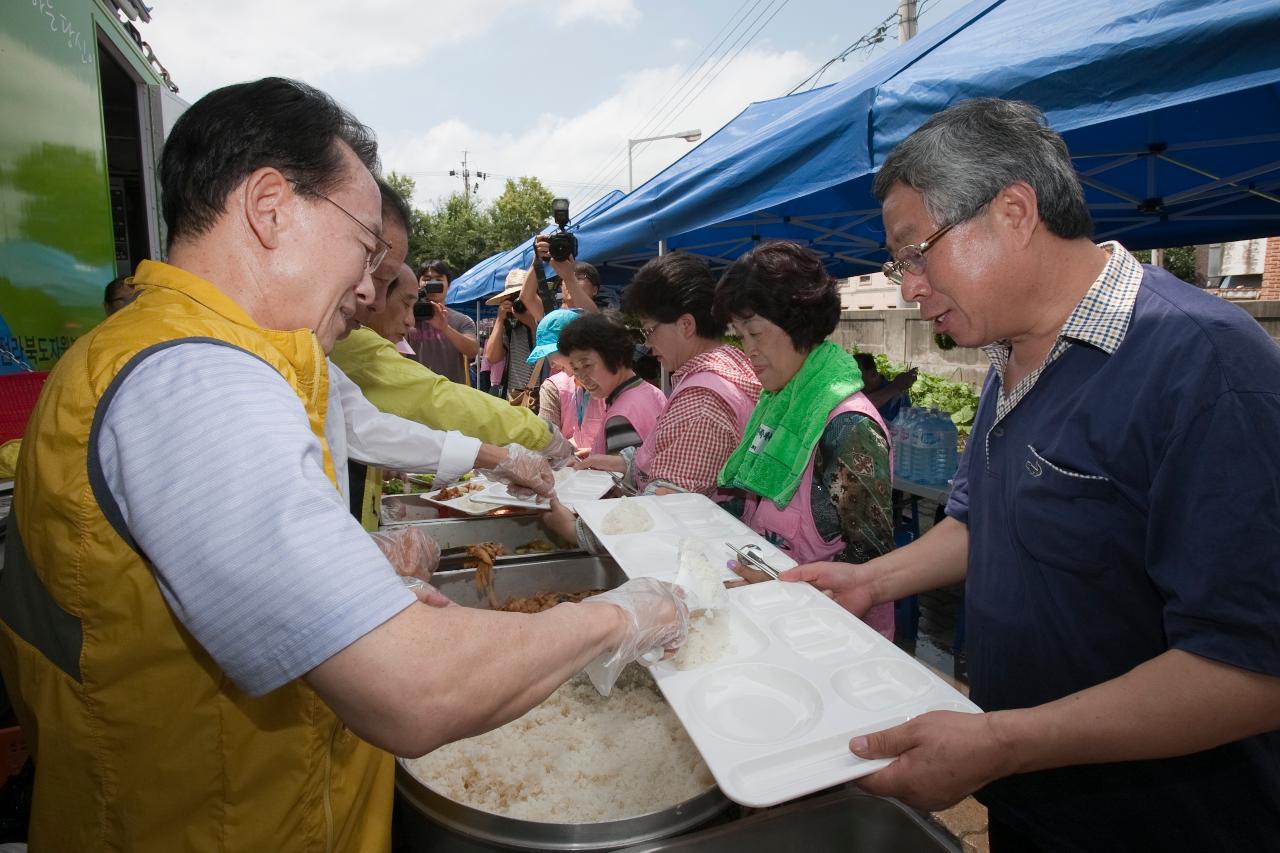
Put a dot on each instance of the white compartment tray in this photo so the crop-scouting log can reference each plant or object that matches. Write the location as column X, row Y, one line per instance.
column 653, row 553
column 774, row 715
column 773, row 719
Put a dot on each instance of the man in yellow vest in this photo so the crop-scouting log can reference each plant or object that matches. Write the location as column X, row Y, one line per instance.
column 204, row 649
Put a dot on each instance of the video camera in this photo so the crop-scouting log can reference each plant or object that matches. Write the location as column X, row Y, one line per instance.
column 424, row 308
column 563, row 245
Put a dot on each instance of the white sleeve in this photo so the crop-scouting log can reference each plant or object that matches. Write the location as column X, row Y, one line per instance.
column 217, row 477
column 377, row 438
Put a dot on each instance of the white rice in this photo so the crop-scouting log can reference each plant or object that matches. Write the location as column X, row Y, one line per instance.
column 576, row 758
column 710, row 638
column 629, row 516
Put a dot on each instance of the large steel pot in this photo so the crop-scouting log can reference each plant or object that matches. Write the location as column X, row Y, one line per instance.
column 428, row 821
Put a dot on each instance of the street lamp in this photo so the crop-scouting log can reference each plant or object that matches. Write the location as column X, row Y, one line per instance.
column 686, row 135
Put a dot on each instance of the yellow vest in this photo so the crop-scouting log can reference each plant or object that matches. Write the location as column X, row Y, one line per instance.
column 141, row 742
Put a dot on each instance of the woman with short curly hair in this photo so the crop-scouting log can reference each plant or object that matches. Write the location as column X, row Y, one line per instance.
column 815, row 460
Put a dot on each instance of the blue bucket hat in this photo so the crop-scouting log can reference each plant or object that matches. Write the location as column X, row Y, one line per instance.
column 549, row 329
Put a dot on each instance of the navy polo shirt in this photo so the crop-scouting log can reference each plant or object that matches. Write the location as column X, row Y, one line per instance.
column 1130, row 504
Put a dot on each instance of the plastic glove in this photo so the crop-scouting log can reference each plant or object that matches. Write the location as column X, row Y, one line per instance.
column 559, row 451
column 657, row 618
column 411, row 552
column 523, row 467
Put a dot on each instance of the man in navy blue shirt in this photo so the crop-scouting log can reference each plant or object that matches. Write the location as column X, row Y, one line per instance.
column 1115, row 519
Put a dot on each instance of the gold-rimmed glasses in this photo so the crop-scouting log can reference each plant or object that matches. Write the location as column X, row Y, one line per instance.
column 910, row 259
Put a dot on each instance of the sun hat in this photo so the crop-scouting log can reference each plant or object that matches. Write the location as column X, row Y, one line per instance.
column 515, row 283
column 549, row 329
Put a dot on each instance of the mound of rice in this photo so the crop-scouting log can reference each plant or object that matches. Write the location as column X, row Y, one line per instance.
column 576, row 758
column 629, row 516
column 710, row 638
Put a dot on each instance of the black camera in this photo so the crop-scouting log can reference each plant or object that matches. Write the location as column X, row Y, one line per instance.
column 563, row 245
column 424, row 308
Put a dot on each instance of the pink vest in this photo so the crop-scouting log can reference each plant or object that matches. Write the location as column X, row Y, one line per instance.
column 581, row 434
column 798, row 533
column 641, row 404
column 739, row 403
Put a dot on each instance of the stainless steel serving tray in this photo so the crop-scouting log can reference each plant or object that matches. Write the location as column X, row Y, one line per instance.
column 513, row 531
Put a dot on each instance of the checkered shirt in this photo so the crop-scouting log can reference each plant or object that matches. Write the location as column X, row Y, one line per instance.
column 1101, row 319
column 694, row 436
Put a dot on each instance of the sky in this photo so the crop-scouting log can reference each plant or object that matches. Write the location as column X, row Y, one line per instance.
column 552, row 90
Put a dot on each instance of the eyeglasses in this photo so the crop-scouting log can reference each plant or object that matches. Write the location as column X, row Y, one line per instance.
column 373, row 259
column 647, row 332
column 910, row 259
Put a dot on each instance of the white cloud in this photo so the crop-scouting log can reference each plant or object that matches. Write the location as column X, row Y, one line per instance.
column 566, row 152
column 206, row 45
column 613, row 12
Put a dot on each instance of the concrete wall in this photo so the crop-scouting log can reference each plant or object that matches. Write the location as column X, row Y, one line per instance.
column 900, row 334
column 905, row 338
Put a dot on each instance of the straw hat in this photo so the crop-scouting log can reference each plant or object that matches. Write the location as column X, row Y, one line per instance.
column 515, row 283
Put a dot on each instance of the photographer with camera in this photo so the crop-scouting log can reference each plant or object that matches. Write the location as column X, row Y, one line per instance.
column 579, row 281
column 512, row 337
column 443, row 339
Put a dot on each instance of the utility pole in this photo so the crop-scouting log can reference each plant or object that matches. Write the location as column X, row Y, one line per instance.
column 465, row 173
column 906, row 20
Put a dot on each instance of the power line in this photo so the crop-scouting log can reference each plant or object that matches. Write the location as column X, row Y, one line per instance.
column 866, row 42
column 741, row 44
column 646, row 125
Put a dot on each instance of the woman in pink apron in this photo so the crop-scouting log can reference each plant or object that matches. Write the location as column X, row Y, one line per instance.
column 563, row 402
column 600, row 350
column 713, row 390
column 815, row 458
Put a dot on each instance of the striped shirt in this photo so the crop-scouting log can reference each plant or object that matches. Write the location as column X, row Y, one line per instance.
column 209, row 454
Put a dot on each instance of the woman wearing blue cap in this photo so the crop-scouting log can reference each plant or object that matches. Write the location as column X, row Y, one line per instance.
column 563, row 403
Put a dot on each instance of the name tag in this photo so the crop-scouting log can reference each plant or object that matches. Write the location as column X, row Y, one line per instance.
column 763, row 434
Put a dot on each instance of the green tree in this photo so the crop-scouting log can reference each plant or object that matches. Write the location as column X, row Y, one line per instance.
column 418, row 250
column 457, row 232
column 1179, row 260
column 461, row 232
column 523, row 209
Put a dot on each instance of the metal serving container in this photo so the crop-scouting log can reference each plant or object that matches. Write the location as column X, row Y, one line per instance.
column 846, row 821
column 513, row 531
column 428, row 821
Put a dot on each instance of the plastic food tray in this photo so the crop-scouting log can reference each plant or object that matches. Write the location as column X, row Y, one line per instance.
column 572, row 488
column 653, row 553
column 466, row 503
column 773, row 716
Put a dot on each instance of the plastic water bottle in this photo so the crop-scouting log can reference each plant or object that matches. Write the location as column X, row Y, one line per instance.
column 926, row 456
column 949, row 452
column 902, row 442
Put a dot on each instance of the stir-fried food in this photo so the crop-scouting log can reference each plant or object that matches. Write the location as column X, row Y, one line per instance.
column 480, row 557
column 544, row 601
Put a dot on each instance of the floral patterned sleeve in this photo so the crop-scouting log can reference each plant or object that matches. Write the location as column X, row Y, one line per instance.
column 853, row 488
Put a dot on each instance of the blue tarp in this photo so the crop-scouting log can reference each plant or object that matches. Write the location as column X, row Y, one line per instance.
column 1171, row 111
column 489, row 276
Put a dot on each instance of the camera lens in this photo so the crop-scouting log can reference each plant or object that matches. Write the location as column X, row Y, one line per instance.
column 518, row 306
column 423, row 309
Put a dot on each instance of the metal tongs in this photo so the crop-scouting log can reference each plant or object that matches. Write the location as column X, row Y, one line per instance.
column 620, row 483
column 750, row 556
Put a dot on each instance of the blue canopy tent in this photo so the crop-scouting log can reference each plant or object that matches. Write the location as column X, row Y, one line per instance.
column 1171, row 111
column 488, row 277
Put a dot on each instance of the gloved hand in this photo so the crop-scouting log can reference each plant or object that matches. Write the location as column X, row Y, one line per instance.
column 559, row 451
column 525, row 468
column 411, row 552
column 657, row 618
